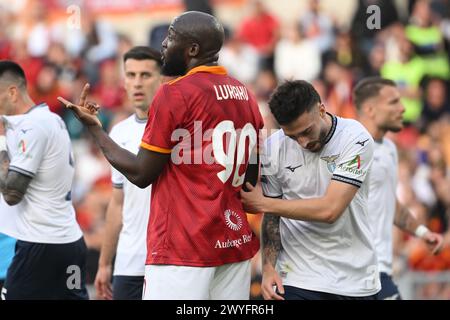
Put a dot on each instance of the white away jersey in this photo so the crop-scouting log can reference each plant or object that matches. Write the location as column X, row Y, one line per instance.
column 132, row 246
column 39, row 147
column 337, row 258
column 382, row 200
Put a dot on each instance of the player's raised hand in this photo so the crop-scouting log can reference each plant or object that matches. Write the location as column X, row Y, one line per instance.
column 271, row 283
column 85, row 111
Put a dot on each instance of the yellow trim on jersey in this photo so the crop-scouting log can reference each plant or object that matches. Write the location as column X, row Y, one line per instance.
column 155, row 148
column 210, row 69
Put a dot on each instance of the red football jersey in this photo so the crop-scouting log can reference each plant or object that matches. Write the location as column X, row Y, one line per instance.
column 209, row 123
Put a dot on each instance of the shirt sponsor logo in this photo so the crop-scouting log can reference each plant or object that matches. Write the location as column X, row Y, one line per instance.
column 232, row 220
column 355, row 162
column 233, row 243
column 353, row 166
column 331, row 162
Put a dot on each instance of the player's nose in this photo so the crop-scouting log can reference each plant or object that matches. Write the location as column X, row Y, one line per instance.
column 303, row 142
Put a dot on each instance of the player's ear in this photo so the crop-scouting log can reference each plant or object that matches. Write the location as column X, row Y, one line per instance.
column 369, row 108
column 13, row 93
column 322, row 110
column 194, row 50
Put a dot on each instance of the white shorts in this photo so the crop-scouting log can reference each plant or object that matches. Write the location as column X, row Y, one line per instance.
column 168, row 282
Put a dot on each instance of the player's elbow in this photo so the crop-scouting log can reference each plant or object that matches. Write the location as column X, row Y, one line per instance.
column 141, row 183
column 12, row 198
column 330, row 215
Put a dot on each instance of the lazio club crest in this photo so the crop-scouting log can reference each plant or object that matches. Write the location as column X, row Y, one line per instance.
column 331, row 162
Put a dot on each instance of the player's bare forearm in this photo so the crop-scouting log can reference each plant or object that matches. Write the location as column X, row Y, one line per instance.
column 404, row 220
column 270, row 239
column 324, row 209
column 302, row 209
column 4, row 165
column 141, row 169
column 15, row 187
column 112, row 228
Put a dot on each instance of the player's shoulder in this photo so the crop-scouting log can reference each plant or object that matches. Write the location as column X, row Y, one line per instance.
column 351, row 129
column 169, row 91
column 351, row 126
column 28, row 122
column 390, row 145
column 274, row 142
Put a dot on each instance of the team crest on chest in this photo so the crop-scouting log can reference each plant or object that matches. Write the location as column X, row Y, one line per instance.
column 331, row 162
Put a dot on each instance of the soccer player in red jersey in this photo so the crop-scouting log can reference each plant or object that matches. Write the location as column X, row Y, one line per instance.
column 200, row 135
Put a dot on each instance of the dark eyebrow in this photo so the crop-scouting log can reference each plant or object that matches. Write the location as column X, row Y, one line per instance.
column 394, row 100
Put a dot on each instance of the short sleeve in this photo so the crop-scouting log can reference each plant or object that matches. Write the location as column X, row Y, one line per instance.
column 30, row 149
column 166, row 114
column 117, row 178
column 355, row 160
column 269, row 169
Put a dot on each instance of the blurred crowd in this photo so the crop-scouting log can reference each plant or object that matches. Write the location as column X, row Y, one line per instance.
column 261, row 50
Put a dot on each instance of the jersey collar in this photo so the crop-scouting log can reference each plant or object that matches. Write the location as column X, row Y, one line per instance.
column 333, row 128
column 37, row 106
column 208, row 69
column 139, row 120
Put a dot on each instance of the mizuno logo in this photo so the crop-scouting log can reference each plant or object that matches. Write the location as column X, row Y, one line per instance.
column 25, row 130
column 362, row 143
column 293, row 168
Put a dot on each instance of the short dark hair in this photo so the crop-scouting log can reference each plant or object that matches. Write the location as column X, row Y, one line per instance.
column 143, row 53
column 368, row 88
column 14, row 72
column 291, row 99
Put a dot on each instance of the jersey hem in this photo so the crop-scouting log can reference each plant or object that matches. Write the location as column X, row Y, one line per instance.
column 46, row 240
column 331, row 290
column 185, row 263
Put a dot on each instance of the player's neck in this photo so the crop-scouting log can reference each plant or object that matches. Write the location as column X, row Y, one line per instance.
column 329, row 122
column 141, row 114
column 376, row 132
column 25, row 105
column 212, row 61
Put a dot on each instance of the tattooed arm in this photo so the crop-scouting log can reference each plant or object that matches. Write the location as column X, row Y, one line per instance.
column 13, row 185
column 4, row 165
column 404, row 220
column 271, row 241
column 271, row 246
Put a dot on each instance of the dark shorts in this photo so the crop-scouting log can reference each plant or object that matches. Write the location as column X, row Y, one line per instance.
column 128, row 287
column 293, row 293
column 389, row 290
column 47, row 271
